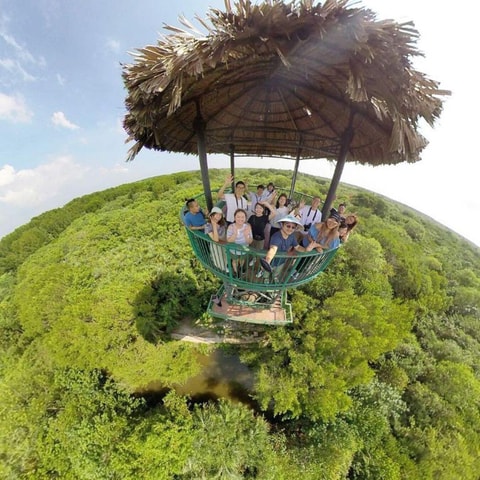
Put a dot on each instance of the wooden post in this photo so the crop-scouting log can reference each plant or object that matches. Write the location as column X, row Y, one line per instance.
column 199, row 126
column 342, row 157
column 295, row 172
column 232, row 165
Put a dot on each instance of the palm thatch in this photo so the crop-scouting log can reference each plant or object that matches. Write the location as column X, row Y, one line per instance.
column 276, row 79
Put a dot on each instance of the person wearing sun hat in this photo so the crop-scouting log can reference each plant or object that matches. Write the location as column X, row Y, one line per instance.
column 216, row 229
column 284, row 241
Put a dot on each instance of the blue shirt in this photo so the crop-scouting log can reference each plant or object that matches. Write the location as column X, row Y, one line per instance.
column 194, row 219
column 313, row 232
column 283, row 245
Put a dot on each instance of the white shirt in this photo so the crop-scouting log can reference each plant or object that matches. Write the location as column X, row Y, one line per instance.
column 233, row 203
column 255, row 198
column 309, row 216
column 280, row 213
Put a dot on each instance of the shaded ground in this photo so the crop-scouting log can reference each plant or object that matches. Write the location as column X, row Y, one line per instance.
column 221, row 332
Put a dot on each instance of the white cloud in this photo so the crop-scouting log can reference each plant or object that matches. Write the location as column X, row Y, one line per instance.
column 21, row 52
column 14, row 109
column 119, row 127
column 7, row 63
column 61, row 80
column 14, row 71
column 7, row 175
column 36, row 186
column 59, row 119
column 119, row 168
column 16, row 57
column 113, row 45
column 29, row 192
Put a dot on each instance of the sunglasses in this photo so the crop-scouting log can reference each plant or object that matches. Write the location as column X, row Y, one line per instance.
column 290, row 226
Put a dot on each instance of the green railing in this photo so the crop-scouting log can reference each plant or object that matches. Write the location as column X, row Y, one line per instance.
column 240, row 266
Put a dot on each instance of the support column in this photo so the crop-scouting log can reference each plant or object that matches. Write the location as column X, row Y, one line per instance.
column 199, row 126
column 342, row 157
column 232, row 165
column 295, row 172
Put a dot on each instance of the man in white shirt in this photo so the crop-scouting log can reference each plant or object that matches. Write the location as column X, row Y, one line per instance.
column 309, row 214
column 234, row 200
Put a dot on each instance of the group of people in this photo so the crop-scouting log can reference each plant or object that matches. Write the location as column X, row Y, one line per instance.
column 264, row 220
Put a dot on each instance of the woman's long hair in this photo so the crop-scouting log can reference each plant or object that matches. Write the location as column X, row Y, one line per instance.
column 222, row 221
column 351, row 226
column 330, row 233
column 277, row 205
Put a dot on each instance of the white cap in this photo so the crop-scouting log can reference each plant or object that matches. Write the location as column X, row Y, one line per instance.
column 215, row 210
column 290, row 218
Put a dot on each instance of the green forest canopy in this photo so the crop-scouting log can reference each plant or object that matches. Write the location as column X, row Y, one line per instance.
column 378, row 378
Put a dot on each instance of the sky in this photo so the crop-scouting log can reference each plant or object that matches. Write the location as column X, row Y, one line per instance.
column 62, row 106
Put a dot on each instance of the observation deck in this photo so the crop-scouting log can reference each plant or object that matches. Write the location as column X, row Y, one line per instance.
column 252, row 294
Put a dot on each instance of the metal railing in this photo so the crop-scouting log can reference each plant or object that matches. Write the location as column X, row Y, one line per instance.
column 240, row 265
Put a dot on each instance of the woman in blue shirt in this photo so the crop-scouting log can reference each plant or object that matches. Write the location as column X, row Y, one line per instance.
column 325, row 234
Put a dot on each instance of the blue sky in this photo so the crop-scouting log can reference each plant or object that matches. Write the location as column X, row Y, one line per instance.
column 62, row 105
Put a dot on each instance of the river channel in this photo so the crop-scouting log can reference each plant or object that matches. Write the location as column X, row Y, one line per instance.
column 222, row 376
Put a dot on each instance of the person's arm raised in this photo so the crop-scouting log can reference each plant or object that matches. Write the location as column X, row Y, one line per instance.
column 271, row 207
column 221, row 192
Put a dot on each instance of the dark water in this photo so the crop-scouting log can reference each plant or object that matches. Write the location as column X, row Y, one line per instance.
column 222, row 376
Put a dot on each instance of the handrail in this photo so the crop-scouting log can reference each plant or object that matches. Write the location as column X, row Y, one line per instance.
column 222, row 259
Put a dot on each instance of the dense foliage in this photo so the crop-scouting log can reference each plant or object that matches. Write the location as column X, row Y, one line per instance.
column 378, row 378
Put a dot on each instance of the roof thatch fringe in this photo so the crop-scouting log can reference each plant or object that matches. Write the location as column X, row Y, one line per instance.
column 292, row 73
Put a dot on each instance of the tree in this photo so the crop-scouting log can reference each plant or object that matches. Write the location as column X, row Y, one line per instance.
column 309, row 369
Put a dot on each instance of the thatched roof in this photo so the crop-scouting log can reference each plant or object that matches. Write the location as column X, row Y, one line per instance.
column 274, row 79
